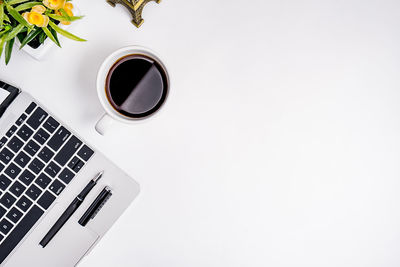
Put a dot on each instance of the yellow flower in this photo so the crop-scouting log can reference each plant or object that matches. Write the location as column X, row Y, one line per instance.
column 69, row 6
column 36, row 18
column 54, row 4
column 39, row 9
column 68, row 9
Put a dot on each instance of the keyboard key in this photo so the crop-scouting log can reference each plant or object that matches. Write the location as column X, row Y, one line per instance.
column 21, row 119
column 85, row 153
column 5, row 226
column 68, row 151
column 56, row 187
column 41, row 136
column 37, row 118
column 14, row 215
column 32, row 148
column 11, row 131
column 24, row 203
column 7, row 200
column 33, row 192
column 66, row 176
column 59, row 138
column 15, row 144
column 3, row 141
column 43, row 180
column 12, row 171
column 2, row 211
column 22, row 159
column 6, row 155
column 31, row 107
column 26, row 177
column 46, row 154
column 4, row 182
column 2, row 166
column 51, row 124
column 46, row 200
column 17, row 188
column 20, row 230
column 78, row 166
column 36, row 166
column 52, row 169
column 24, row 132
column 73, row 162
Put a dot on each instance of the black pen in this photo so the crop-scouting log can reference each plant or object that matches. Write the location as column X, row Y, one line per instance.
column 69, row 211
column 96, row 206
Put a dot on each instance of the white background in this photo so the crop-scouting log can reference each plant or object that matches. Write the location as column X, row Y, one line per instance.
column 279, row 145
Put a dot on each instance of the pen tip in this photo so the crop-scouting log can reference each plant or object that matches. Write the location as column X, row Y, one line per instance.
column 98, row 176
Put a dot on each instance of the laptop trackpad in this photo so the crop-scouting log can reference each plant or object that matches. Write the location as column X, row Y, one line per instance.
column 65, row 249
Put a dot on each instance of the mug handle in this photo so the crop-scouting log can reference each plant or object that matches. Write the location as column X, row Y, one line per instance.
column 103, row 124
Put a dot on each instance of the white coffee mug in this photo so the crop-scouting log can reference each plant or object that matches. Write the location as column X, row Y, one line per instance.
column 111, row 114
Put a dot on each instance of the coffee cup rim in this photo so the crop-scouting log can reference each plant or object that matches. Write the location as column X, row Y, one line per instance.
column 104, row 69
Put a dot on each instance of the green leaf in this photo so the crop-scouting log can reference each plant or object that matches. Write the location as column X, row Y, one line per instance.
column 54, row 34
column 50, row 35
column 9, row 48
column 5, row 31
column 63, row 12
column 30, row 36
column 14, row 2
column 14, row 32
column 42, row 37
column 65, row 33
column 6, row 18
column 2, row 41
column 18, row 16
column 26, row 6
column 64, row 18
column 1, row 15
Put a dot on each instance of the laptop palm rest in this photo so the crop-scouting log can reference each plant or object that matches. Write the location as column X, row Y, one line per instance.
column 72, row 240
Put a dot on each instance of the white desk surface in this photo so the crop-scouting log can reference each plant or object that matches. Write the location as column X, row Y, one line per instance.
column 280, row 142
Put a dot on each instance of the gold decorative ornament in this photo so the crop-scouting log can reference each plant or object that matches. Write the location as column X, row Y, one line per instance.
column 135, row 7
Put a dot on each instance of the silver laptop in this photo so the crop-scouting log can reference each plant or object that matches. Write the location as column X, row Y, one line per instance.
column 43, row 167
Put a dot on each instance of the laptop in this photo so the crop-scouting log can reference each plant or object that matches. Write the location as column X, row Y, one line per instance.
column 44, row 165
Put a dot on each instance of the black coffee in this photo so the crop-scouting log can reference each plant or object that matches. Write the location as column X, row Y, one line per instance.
column 136, row 86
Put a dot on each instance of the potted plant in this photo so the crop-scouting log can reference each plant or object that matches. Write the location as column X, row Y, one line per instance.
column 34, row 22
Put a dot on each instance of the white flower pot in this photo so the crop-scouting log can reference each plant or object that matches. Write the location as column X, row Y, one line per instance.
column 40, row 52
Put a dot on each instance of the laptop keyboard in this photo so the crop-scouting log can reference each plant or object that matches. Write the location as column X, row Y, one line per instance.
column 38, row 159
